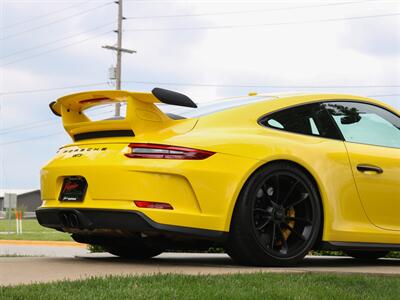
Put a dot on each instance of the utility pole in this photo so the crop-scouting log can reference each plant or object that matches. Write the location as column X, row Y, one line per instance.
column 119, row 51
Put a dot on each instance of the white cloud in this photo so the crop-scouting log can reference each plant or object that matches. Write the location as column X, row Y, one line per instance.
column 352, row 52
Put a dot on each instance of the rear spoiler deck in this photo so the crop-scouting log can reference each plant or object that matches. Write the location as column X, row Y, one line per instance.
column 141, row 116
column 82, row 101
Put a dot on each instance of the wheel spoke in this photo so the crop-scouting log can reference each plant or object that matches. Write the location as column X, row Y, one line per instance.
column 261, row 227
column 298, row 235
column 276, row 182
column 290, row 192
column 283, row 213
column 260, row 210
column 303, row 197
column 284, row 248
column 272, row 243
column 298, row 220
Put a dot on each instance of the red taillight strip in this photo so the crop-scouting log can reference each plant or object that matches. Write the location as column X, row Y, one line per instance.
column 157, row 151
column 156, row 205
column 95, row 100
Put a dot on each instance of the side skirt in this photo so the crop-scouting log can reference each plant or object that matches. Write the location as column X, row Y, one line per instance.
column 333, row 246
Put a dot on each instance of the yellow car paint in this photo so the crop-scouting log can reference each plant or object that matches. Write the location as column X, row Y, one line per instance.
column 204, row 193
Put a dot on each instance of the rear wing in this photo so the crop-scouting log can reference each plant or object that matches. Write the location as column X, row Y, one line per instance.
column 142, row 114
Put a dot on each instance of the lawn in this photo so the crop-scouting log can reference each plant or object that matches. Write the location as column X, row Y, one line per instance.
column 239, row 286
column 32, row 230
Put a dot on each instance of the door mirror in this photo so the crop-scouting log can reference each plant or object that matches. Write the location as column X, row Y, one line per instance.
column 350, row 119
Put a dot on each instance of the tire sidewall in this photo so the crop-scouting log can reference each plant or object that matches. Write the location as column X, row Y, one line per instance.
column 243, row 213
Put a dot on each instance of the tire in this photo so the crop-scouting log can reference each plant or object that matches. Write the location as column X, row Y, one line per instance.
column 277, row 218
column 138, row 250
column 366, row 255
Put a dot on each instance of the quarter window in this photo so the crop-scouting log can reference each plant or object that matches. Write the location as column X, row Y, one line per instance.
column 309, row 119
column 366, row 124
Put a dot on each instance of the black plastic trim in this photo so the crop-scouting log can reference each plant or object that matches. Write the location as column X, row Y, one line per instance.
column 134, row 221
column 52, row 109
column 102, row 134
column 359, row 246
column 173, row 98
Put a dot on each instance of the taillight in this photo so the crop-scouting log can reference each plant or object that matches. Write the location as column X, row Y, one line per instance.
column 166, row 152
column 156, row 205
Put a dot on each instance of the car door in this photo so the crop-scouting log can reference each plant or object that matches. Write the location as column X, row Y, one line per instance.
column 372, row 139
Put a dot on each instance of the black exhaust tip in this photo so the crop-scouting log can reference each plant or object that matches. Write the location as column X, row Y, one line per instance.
column 64, row 220
column 70, row 220
column 74, row 220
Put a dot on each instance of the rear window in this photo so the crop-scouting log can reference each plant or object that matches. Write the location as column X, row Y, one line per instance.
column 207, row 108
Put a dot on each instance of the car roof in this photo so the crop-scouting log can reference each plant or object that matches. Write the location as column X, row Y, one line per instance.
column 270, row 102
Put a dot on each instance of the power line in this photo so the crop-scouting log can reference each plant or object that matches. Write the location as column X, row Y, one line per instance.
column 42, row 123
column 54, row 22
column 44, row 15
column 55, row 41
column 25, row 125
column 52, row 89
column 54, row 49
column 384, row 95
column 45, row 123
column 246, row 11
column 30, row 139
column 261, row 86
column 28, row 127
column 201, row 84
column 263, row 24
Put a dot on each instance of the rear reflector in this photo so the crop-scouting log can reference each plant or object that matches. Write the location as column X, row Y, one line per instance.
column 95, row 100
column 166, row 152
column 158, row 205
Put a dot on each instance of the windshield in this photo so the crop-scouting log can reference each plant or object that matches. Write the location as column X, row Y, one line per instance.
column 207, row 108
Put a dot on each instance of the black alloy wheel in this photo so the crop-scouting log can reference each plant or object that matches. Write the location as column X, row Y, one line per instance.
column 277, row 218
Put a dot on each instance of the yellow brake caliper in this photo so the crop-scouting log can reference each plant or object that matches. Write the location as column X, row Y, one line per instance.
column 286, row 232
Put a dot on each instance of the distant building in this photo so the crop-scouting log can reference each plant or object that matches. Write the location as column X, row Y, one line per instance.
column 28, row 200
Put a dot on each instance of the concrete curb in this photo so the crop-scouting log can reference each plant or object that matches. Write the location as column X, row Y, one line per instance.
column 42, row 243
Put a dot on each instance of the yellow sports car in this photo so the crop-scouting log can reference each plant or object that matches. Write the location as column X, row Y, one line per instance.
column 266, row 177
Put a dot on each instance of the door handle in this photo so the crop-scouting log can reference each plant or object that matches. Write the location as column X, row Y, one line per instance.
column 364, row 168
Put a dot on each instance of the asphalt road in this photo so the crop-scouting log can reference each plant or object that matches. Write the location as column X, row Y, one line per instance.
column 25, row 270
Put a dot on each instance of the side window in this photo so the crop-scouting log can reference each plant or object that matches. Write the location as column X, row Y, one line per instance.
column 309, row 119
column 366, row 123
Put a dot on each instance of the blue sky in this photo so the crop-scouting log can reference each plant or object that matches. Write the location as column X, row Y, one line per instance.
column 206, row 49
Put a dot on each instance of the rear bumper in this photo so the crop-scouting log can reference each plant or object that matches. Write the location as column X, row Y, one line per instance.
column 202, row 193
column 84, row 219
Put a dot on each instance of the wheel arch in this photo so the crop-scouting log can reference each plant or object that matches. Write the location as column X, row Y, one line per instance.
column 306, row 171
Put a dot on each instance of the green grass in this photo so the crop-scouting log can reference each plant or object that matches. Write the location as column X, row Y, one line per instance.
column 239, row 286
column 32, row 230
